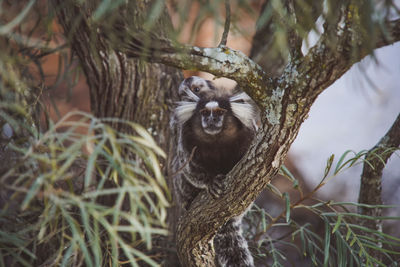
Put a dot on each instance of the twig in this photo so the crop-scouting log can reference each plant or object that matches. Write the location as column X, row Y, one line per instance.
column 294, row 40
column 186, row 163
column 227, row 24
column 283, row 213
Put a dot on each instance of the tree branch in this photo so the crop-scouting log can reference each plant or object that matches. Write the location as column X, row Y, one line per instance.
column 227, row 24
column 372, row 172
column 294, row 39
column 391, row 36
column 220, row 61
column 371, row 178
column 327, row 62
column 263, row 49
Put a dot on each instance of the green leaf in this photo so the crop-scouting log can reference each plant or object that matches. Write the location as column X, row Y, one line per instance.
column 33, row 190
column 287, row 201
column 285, row 172
column 337, row 224
column 328, row 165
column 91, row 162
column 6, row 29
column 348, row 234
column 263, row 220
column 327, row 243
column 274, row 190
column 339, row 165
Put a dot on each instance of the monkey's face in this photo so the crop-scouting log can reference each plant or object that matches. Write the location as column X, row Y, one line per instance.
column 193, row 87
column 212, row 118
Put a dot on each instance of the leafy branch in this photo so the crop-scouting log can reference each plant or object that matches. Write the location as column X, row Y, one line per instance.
column 344, row 243
column 59, row 191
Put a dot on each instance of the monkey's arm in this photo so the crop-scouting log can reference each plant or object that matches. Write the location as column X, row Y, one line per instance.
column 199, row 178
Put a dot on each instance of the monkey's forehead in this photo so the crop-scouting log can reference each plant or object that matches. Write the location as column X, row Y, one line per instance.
column 198, row 81
column 212, row 103
column 194, row 80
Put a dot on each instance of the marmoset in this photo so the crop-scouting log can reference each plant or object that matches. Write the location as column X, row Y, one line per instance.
column 193, row 87
column 215, row 130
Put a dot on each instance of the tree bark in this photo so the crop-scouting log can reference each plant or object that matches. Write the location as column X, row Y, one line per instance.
column 120, row 87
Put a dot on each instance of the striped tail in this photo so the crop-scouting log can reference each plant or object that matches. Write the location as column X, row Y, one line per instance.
column 231, row 247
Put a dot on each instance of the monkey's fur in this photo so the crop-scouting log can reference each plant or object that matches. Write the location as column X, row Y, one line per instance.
column 216, row 129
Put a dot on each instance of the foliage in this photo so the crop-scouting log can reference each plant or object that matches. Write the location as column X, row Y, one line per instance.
column 56, row 196
column 55, row 186
column 80, row 192
column 337, row 239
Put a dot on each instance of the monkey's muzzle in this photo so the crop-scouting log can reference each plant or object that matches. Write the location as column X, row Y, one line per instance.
column 212, row 120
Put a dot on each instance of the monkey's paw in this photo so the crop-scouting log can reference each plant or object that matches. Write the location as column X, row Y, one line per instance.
column 217, row 186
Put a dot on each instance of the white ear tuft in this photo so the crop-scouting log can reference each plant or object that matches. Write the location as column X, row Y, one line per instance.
column 244, row 112
column 191, row 95
column 240, row 97
column 184, row 111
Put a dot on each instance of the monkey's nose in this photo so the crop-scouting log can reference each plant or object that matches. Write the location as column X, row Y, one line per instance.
column 215, row 119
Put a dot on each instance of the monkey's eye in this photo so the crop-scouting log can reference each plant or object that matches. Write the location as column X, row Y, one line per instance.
column 205, row 112
column 219, row 111
column 196, row 89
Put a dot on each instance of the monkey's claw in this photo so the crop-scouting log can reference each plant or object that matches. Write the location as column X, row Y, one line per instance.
column 217, row 187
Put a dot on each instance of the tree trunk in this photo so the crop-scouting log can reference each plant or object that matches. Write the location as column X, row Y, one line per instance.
column 120, row 87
